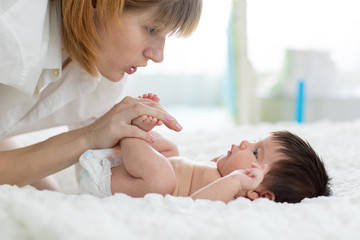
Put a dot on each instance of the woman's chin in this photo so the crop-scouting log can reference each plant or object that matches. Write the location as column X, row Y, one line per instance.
column 116, row 77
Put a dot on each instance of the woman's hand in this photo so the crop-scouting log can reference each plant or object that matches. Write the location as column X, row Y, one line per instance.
column 106, row 131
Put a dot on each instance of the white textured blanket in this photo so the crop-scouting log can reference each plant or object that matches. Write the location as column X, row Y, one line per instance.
column 26, row 213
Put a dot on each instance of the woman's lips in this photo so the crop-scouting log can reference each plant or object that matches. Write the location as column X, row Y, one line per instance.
column 131, row 70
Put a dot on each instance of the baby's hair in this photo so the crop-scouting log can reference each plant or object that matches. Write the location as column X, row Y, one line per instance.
column 299, row 174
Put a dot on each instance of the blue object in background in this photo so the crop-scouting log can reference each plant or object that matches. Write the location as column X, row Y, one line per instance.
column 300, row 102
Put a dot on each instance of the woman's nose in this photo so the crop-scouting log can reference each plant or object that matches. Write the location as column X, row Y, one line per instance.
column 156, row 51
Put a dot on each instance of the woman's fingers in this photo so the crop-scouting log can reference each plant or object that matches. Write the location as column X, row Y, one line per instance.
column 114, row 125
column 141, row 106
column 171, row 123
column 139, row 133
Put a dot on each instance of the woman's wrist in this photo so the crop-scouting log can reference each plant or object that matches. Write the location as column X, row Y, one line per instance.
column 85, row 137
column 72, row 144
column 84, row 140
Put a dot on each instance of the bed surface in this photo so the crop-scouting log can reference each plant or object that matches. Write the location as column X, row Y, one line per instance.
column 26, row 213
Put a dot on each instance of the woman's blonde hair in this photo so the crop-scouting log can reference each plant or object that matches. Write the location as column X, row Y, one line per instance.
column 79, row 34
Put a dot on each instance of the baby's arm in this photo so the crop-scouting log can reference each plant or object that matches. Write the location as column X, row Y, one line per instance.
column 232, row 186
column 144, row 171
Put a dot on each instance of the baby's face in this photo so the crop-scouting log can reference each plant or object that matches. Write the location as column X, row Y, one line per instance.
column 241, row 156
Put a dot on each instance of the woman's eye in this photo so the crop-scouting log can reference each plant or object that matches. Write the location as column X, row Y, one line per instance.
column 255, row 153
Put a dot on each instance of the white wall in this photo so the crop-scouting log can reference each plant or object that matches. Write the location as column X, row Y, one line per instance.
column 327, row 25
column 318, row 28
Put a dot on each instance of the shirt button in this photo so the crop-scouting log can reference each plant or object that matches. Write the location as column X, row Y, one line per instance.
column 56, row 73
column 36, row 92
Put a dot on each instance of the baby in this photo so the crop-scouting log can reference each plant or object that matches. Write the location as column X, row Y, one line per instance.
column 280, row 167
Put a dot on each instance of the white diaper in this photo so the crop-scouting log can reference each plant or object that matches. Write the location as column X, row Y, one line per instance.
column 95, row 174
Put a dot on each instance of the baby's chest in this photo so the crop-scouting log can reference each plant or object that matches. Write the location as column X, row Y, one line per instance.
column 184, row 173
column 190, row 176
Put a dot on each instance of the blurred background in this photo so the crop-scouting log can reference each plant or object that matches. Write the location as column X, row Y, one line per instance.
column 261, row 61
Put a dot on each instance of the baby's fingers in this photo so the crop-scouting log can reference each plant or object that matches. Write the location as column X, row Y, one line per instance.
column 255, row 165
column 257, row 174
column 252, row 173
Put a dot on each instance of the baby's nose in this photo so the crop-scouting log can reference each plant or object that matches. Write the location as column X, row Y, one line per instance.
column 244, row 144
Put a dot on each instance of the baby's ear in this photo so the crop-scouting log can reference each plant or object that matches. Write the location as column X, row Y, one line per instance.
column 269, row 195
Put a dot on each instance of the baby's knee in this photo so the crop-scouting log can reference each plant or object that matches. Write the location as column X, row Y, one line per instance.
column 171, row 151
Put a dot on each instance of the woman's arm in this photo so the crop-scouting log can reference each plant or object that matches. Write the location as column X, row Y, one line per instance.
column 26, row 165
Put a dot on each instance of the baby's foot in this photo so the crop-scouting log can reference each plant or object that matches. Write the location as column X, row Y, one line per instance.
column 146, row 123
column 151, row 96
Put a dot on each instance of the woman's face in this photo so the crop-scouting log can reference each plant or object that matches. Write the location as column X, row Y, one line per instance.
column 123, row 48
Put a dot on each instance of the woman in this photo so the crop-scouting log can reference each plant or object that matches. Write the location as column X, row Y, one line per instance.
column 63, row 63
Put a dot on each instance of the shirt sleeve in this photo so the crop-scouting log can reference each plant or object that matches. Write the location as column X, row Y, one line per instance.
column 24, row 34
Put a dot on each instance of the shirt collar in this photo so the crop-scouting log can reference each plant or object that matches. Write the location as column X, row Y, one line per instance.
column 53, row 59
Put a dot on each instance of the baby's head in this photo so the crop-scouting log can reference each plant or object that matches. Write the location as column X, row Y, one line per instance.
column 294, row 170
column 298, row 172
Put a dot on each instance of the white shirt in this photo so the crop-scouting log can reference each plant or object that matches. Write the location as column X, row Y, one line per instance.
column 34, row 91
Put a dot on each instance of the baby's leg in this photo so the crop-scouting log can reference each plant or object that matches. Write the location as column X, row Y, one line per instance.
column 164, row 146
column 144, row 170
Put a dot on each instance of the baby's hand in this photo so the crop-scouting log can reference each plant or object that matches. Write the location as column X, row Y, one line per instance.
column 249, row 179
column 146, row 122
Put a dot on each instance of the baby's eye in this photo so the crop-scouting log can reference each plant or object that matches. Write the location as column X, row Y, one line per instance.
column 255, row 153
column 151, row 30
